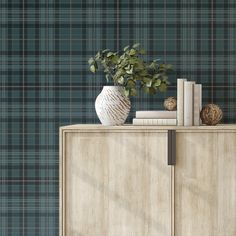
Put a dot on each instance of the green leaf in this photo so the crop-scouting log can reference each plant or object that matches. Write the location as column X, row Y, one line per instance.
column 122, row 56
column 162, row 68
column 129, row 69
column 167, row 82
column 133, row 92
column 156, row 76
column 149, row 84
column 106, row 70
column 98, row 56
column 133, row 60
column 165, row 78
column 162, row 87
column 145, row 89
column 168, row 66
column 114, row 59
column 143, row 73
column 106, row 50
column 93, row 68
column 126, row 48
column 107, row 77
column 132, row 52
column 121, row 80
column 91, row 60
column 130, row 83
column 152, row 91
column 140, row 67
column 153, row 66
column 147, row 80
column 136, row 45
column 130, row 72
column 157, row 83
column 126, row 92
column 142, row 51
column 109, row 54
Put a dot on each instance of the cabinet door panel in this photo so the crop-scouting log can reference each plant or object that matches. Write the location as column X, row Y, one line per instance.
column 117, row 184
column 205, row 184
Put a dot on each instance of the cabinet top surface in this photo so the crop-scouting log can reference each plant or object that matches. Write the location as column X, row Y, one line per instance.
column 135, row 127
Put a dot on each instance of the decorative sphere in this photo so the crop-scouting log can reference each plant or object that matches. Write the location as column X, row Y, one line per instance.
column 170, row 104
column 211, row 114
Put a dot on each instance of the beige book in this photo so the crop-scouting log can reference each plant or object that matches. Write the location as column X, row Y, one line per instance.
column 197, row 103
column 156, row 114
column 188, row 103
column 154, row 121
column 180, row 101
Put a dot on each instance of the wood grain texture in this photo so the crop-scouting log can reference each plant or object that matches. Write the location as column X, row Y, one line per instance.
column 205, row 184
column 116, row 184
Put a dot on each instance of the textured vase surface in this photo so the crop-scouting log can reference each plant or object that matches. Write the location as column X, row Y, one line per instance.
column 112, row 106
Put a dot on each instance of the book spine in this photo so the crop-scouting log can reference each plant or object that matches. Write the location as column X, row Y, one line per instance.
column 200, row 99
column 154, row 121
column 197, row 103
column 188, row 103
column 180, row 101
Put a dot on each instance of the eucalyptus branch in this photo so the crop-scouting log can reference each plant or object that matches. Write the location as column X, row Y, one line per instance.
column 129, row 70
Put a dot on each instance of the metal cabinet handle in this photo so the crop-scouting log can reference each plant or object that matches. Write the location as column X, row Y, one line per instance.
column 171, row 147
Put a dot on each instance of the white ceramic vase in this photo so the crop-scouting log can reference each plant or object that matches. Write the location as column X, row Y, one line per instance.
column 112, row 106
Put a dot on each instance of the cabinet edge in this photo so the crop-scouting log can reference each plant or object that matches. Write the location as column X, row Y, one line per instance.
column 62, row 134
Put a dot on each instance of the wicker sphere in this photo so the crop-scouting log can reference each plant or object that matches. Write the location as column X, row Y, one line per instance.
column 170, row 104
column 211, row 114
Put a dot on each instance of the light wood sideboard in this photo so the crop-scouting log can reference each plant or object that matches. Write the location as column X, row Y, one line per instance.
column 119, row 181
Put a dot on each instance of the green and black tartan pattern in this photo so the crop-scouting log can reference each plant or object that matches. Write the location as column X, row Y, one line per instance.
column 45, row 81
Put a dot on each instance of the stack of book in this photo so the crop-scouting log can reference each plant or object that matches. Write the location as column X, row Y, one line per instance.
column 189, row 102
column 189, row 105
column 155, row 118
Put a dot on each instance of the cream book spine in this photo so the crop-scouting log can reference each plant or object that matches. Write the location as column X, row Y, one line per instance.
column 180, row 101
column 188, row 103
column 154, row 121
column 200, row 108
column 197, row 103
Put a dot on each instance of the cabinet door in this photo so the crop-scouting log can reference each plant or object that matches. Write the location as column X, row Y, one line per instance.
column 116, row 184
column 205, row 184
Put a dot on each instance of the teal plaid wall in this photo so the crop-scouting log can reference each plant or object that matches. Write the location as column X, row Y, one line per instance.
column 45, row 83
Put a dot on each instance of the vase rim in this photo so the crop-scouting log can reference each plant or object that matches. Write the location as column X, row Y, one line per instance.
column 112, row 86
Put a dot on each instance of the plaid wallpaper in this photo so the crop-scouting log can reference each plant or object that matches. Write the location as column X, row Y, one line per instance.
column 45, row 82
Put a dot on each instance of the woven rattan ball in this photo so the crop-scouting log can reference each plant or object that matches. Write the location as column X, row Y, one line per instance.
column 170, row 104
column 211, row 114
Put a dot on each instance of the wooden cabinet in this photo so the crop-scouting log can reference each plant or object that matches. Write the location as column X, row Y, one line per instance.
column 205, row 184
column 115, row 181
column 112, row 180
